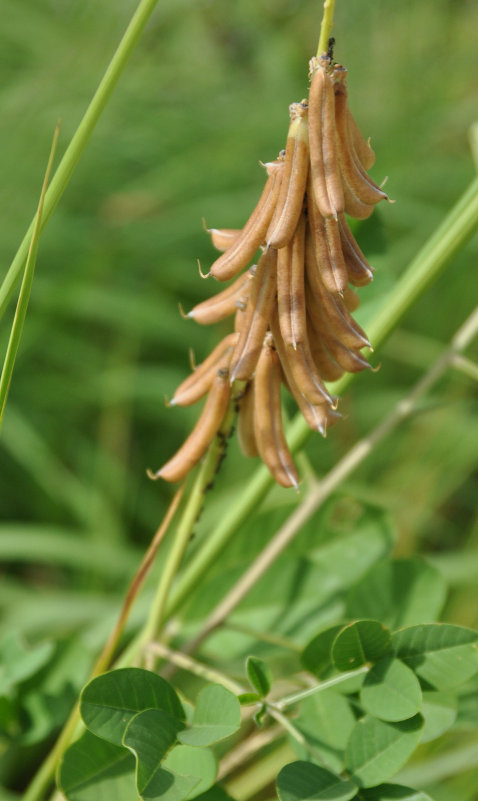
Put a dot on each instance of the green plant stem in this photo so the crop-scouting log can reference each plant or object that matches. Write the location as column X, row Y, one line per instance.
column 79, row 141
column 184, row 662
column 44, row 776
column 326, row 27
column 445, row 242
column 204, row 478
column 25, row 289
column 289, row 700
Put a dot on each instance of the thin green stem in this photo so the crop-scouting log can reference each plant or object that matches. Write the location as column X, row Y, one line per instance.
column 289, row 700
column 79, row 141
column 204, row 479
column 443, row 245
column 326, row 27
column 44, row 776
column 26, row 287
column 184, row 662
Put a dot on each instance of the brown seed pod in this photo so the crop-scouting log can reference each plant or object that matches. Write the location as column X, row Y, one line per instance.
column 256, row 318
column 359, row 270
column 354, row 175
column 299, row 365
column 290, row 287
column 328, row 311
column 203, row 432
column 326, row 365
column 362, row 148
column 351, row 299
column 316, row 416
column 224, row 238
column 199, row 382
column 223, row 304
column 328, row 256
column 269, row 432
column 294, row 180
column 254, row 232
column 324, row 164
column 351, row 360
column 245, row 423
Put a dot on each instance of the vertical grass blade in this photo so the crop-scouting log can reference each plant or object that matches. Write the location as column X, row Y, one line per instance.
column 25, row 289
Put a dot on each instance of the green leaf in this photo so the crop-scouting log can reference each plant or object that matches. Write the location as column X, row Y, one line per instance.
column 326, row 720
column 17, row 662
column 377, row 749
column 391, row 691
column 217, row 715
column 316, row 656
column 200, row 763
column 304, row 781
column 442, row 654
column 93, row 769
column 150, row 735
column 360, row 642
column 399, row 592
column 392, row 792
column 439, row 711
column 110, row 701
column 259, row 675
column 246, row 699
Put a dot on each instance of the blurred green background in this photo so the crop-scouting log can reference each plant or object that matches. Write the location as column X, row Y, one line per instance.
column 204, row 97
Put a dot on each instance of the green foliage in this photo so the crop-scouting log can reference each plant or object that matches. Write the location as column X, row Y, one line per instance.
column 443, row 655
column 109, row 702
column 139, row 710
column 392, row 792
column 391, row 691
column 92, row 768
column 399, row 592
column 18, row 663
column 360, row 642
column 300, row 781
column 377, row 749
column 217, row 715
column 259, row 675
column 326, row 719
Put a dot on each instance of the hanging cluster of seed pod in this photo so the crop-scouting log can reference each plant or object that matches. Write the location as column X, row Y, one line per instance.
column 293, row 322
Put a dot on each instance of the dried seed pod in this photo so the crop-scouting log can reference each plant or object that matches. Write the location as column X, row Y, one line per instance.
column 223, row 304
column 362, row 148
column 254, row 232
column 299, row 364
column 359, row 270
column 351, row 299
column 294, row 180
column 351, row 360
column 224, row 238
column 316, row 416
column 330, row 263
column 203, row 432
column 328, row 311
column 256, row 318
column 326, row 365
column 269, row 432
column 290, row 287
column 324, row 164
column 354, row 175
column 199, row 382
column 245, row 423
